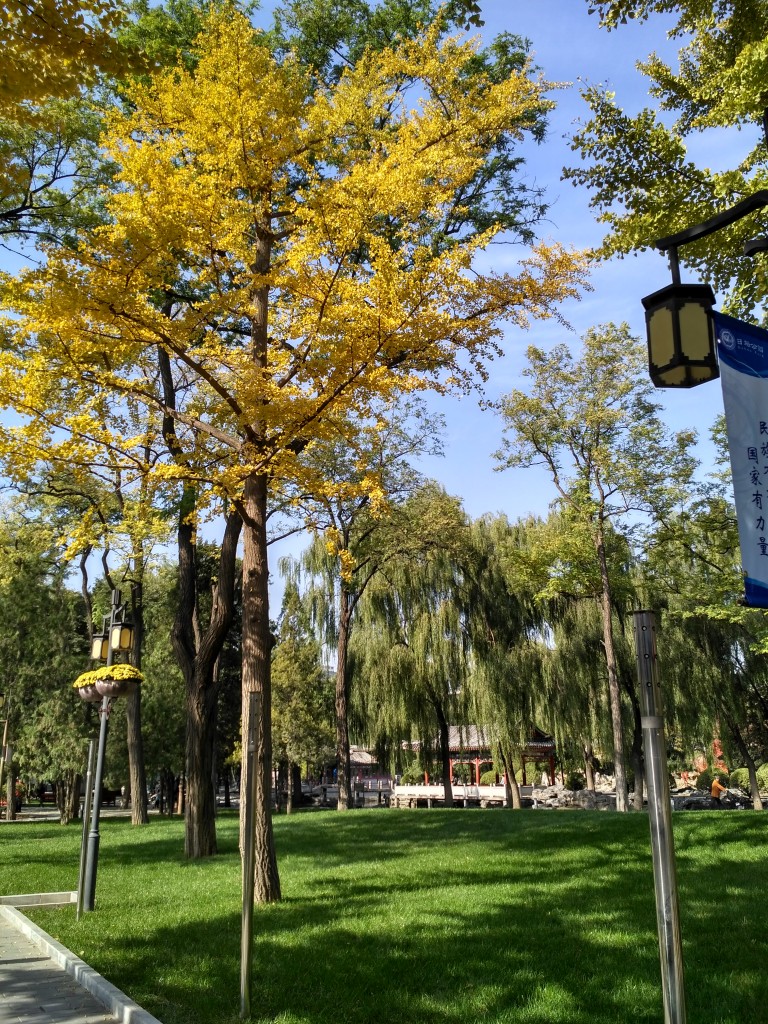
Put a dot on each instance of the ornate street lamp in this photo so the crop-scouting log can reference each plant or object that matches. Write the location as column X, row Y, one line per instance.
column 681, row 336
column 116, row 637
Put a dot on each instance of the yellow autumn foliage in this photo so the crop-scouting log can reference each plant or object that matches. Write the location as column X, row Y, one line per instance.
column 53, row 47
column 274, row 240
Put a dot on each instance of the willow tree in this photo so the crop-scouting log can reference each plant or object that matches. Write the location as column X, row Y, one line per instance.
column 507, row 631
column 372, row 508
column 591, row 422
column 410, row 648
column 288, row 228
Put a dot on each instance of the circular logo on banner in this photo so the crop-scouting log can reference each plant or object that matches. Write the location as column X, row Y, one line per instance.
column 727, row 339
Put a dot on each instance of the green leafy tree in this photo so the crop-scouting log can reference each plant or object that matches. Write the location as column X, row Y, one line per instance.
column 43, row 644
column 302, row 708
column 378, row 508
column 410, row 649
column 644, row 183
column 591, row 422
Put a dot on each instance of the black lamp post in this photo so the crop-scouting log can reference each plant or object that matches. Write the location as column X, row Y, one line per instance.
column 681, row 336
column 116, row 636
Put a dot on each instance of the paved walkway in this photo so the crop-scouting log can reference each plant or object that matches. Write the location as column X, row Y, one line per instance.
column 41, row 982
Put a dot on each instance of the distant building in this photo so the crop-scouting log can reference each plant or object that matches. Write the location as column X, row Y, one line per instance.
column 468, row 746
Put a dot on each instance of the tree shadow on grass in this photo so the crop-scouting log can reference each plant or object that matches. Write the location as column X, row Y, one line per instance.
column 447, row 918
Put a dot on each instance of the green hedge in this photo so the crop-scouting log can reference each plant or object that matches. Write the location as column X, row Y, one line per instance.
column 706, row 777
column 740, row 778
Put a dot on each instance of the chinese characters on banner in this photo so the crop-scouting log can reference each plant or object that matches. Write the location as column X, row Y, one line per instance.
column 743, row 353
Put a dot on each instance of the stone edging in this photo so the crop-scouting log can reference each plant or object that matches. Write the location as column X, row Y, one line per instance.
column 123, row 1008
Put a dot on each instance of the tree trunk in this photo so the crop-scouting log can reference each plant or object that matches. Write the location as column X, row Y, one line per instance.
column 445, row 753
column 10, row 790
column 614, row 693
column 136, row 771
column 68, row 797
column 589, row 767
column 257, row 644
column 197, row 652
column 294, row 788
column 137, row 775
column 754, row 787
column 200, row 819
column 289, row 788
column 281, row 785
column 343, row 766
column 513, row 800
column 168, row 790
column 636, row 752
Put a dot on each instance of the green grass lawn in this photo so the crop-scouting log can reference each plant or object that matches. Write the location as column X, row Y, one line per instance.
column 430, row 917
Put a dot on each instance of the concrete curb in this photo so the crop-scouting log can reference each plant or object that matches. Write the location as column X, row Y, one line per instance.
column 118, row 1004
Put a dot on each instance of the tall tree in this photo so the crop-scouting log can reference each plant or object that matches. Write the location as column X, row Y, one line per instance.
column 506, row 628
column 591, row 422
column 295, row 218
column 302, row 721
column 410, row 647
column 368, row 510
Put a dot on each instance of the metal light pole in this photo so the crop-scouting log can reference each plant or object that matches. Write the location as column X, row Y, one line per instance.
column 660, row 817
column 6, row 756
column 86, row 814
column 92, row 852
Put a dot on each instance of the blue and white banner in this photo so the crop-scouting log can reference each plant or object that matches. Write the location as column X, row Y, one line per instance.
column 743, row 353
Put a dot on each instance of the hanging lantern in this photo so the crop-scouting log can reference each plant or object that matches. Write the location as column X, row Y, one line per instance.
column 681, row 336
column 121, row 637
column 99, row 647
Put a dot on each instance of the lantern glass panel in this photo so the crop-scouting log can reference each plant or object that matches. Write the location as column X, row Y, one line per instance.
column 673, row 377
column 695, row 331
column 99, row 648
column 121, row 638
column 661, row 336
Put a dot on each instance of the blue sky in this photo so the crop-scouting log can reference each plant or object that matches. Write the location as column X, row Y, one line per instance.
column 568, row 46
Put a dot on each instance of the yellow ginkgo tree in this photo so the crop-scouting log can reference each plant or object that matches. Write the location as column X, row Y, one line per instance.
column 53, row 49
column 271, row 244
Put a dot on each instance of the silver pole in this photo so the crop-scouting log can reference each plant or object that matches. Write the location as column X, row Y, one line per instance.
column 660, row 817
column 252, row 783
column 86, row 815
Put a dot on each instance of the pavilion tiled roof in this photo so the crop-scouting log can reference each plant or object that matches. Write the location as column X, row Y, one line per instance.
column 464, row 738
